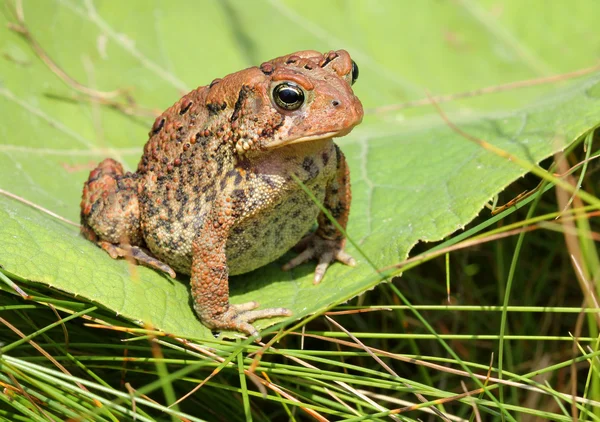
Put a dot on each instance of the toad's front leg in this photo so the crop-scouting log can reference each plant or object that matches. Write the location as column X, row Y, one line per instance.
column 327, row 243
column 210, row 277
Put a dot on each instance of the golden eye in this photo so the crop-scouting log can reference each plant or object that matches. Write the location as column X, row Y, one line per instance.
column 354, row 72
column 288, row 96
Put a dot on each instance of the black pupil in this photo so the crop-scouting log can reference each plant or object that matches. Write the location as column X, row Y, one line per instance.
column 288, row 95
column 354, row 72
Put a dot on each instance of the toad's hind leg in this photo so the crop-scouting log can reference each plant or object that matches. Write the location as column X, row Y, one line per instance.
column 110, row 214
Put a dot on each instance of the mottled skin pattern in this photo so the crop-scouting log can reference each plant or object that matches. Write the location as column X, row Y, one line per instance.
column 214, row 195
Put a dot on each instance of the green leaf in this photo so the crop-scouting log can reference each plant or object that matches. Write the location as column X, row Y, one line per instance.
column 413, row 178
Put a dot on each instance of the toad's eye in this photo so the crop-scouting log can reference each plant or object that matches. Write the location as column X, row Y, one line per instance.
column 288, row 96
column 354, row 72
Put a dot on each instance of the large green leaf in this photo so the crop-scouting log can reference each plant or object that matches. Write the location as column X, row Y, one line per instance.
column 413, row 178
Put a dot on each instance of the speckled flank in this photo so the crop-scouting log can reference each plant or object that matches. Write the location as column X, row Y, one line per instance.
column 214, row 195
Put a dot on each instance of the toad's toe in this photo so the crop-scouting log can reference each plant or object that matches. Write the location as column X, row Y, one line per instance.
column 239, row 318
column 324, row 250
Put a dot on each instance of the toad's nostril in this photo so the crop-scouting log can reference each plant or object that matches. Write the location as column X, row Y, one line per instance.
column 335, row 103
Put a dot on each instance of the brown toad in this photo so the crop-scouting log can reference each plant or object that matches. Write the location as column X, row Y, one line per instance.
column 214, row 194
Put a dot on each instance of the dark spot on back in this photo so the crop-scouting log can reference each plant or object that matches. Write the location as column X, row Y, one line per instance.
column 240, row 102
column 158, row 125
column 215, row 108
column 185, row 108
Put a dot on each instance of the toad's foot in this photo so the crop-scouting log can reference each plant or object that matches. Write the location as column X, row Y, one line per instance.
column 239, row 317
column 138, row 254
column 324, row 250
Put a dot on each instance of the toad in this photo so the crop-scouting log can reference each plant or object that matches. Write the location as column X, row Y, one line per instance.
column 217, row 193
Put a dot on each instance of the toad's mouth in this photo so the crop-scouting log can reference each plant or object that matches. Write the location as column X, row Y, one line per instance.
column 314, row 137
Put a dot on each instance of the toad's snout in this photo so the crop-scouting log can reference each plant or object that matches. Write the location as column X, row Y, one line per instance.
column 345, row 113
